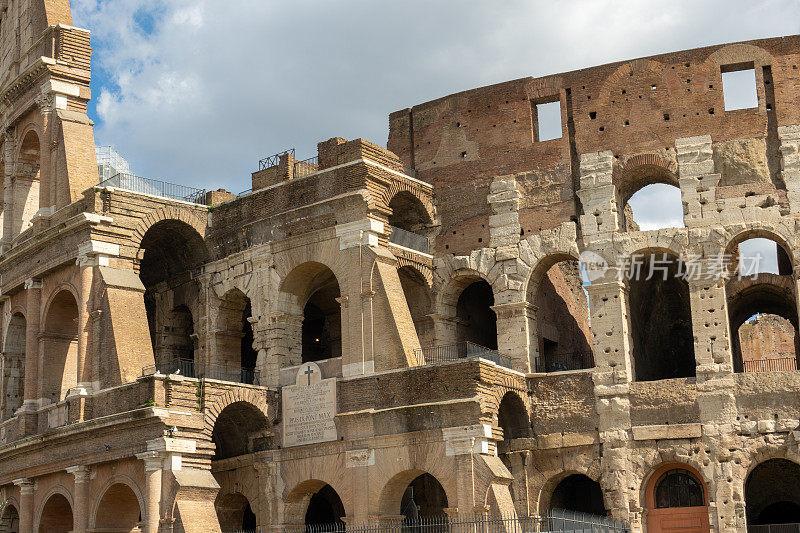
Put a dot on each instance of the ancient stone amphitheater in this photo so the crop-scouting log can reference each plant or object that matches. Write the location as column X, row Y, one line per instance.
column 386, row 335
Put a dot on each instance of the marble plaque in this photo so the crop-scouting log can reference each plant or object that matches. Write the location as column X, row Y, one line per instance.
column 309, row 408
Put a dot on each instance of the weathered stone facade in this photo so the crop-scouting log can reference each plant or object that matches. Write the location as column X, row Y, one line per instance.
column 424, row 301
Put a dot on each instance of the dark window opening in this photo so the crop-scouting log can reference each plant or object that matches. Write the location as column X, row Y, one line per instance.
column 772, row 493
column 512, row 417
column 578, row 493
column 478, row 322
column 325, row 507
column 423, row 498
column 322, row 330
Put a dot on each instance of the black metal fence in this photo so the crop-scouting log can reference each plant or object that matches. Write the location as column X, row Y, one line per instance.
column 773, row 364
column 446, row 353
column 408, row 239
column 774, row 528
column 564, row 361
column 188, row 368
column 554, row 521
column 272, row 160
column 131, row 182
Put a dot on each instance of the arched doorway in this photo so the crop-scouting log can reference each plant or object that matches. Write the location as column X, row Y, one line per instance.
column 234, row 513
column 59, row 342
column 676, row 501
column 418, row 297
column 13, row 365
column 409, row 223
column 661, row 317
column 762, row 312
column 118, row 509
column 9, row 522
column 322, row 323
column 56, row 515
column 512, row 417
column 172, row 250
column 772, row 493
column 424, row 497
column 236, row 357
column 477, row 320
column 562, row 318
column 578, row 493
column 240, row 428
column 325, row 507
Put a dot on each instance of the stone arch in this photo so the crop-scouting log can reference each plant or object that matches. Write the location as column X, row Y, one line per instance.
column 393, row 491
column 234, row 512
column 61, row 503
column 686, row 508
column 648, row 471
column 740, row 53
column 186, row 216
column 240, row 428
column 10, row 516
column 403, row 186
column 513, row 416
column 777, row 234
column 169, row 246
column 240, row 394
column 634, row 177
column 59, row 339
column 573, row 490
column 115, row 506
column 420, row 302
column 235, row 357
column 771, row 492
column 298, row 499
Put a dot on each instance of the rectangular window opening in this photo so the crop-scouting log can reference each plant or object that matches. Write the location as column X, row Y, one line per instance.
column 547, row 120
column 739, row 87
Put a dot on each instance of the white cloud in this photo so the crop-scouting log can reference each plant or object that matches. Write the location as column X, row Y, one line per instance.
column 201, row 90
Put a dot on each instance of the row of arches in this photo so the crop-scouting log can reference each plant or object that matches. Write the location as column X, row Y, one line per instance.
column 118, row 509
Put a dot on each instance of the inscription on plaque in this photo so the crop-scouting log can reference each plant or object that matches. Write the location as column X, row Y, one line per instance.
column 309, row 408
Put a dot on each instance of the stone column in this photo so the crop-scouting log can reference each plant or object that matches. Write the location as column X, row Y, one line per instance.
column 80, row 498
column 284, row 333
column 32, row 305
column 26, row 488
column 445, row 327
column 367, row 363
column 517, row 335
column 709, row 308
column 153, row 469
column 612, row 347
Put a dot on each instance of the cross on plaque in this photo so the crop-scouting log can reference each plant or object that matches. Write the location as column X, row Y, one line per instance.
column 309, row 372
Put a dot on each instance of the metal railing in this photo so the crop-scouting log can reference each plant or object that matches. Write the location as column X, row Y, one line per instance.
column 556, row 520
column 246, row 191
column 446, row 353
column 188, row 368
column 774, row 528
column 564, row 361
column 272, row 160
column 153, row 187
column 408, row 239
column 775, row 364
column 306, row 167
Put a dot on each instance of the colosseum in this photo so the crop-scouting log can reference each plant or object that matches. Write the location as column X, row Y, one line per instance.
column 465, row 324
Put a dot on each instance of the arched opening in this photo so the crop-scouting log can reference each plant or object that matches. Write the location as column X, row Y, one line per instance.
column 9, row 522
column 415, row 289
column 172, row 250
column 762, row 312
column 661, row 317
column 59, row 342
column 676, row 500
column 56, row 515
column 477, row 320
column 234, row 513
column 322, row 320
column 118, row 509
column 424, row 497
column 177, row 342
column 651, row 199
column 240, row 428
column 512, row 417
column 578, row 493
column 13, row 362
column 409, row 222
column 27, row 184
column 772, row 493
column 325, row 507
column 562, row 319
column 236, row 357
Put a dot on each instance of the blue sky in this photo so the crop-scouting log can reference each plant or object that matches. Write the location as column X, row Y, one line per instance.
column 196, row 92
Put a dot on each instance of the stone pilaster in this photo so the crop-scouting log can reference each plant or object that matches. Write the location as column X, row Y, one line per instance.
column 516, row 334
column 153, row 471
column 33, row 287
column 503, row 198
column 80, row 498
column 26, row 488
column 697, row 180
column 597, row 194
